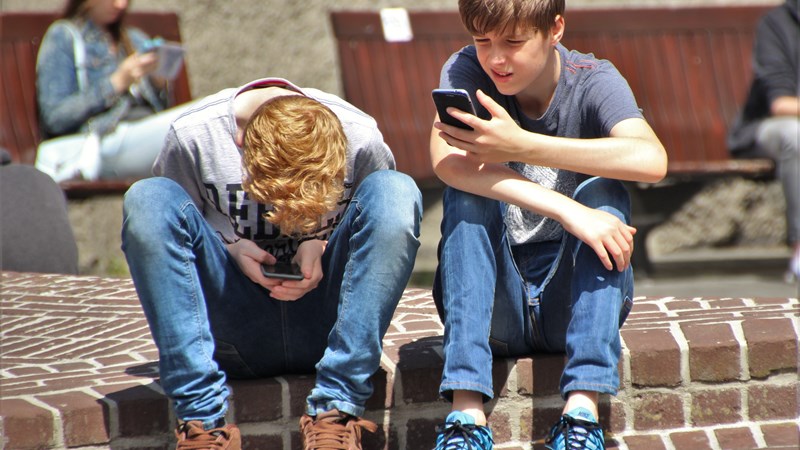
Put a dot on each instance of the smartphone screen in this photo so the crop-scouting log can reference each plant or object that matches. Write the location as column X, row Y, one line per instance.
column 457, row 98
column 285, row 270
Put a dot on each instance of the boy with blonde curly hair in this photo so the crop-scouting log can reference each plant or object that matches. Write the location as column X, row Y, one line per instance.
column 536, row 247
column 251, row 176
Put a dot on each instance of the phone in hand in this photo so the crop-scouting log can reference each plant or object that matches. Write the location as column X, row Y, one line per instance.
column 283, row 270
column 457, row 98
column 152, row 45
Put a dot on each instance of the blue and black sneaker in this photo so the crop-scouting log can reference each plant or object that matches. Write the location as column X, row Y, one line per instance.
column 459, row 432
column 576, row 430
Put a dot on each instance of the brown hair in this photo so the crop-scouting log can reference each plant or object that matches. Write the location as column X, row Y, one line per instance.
column 482, row 16
column 295, row 154
column 77, row 9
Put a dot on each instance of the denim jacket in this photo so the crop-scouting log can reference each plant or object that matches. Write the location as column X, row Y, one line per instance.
column 63, row 107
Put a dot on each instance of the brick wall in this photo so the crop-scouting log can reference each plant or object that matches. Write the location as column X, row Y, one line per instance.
column 79, row 369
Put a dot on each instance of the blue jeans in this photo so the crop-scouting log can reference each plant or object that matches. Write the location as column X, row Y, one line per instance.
column 503, row 300
column 209, row 320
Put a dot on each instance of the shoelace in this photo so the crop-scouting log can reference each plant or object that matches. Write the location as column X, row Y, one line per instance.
column 467, row 433
column 576, row 431
column 332, row 434
column 196, row 438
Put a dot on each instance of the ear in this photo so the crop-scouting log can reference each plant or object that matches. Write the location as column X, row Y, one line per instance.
column 238, row 139
column 557, row 31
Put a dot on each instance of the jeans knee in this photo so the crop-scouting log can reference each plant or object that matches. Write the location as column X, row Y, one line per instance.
column 605, row 194
column 146, row 204
column 391, row 198
column 460, row 206
column 148, row 193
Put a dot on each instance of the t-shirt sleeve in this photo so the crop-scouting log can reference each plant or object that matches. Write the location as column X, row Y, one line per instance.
column 773, row 60
column 372, row 155
column 178, row 161
column 607, row 99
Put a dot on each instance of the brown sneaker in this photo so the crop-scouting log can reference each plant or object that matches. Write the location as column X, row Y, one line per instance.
column 192, row 436
column 333, row 430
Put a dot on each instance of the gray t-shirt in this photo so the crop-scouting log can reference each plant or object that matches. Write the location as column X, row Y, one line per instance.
column 201, row 155
column 591, row 97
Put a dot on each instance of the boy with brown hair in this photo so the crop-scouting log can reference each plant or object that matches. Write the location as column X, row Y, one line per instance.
column 248, row 177
column 536, row 247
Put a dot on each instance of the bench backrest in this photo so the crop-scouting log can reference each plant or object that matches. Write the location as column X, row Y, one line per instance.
column 689, row 69
column 20, row 36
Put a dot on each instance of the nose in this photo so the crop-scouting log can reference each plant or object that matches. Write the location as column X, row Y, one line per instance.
column 121, row 4
column 497, row 57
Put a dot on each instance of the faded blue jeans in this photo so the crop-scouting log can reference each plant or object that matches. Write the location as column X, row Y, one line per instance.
column 779, row 138
column 501, row 300
column 209, row 320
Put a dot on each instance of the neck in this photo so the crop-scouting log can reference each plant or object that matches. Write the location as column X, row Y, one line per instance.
column 246, row 103
column 535, row 100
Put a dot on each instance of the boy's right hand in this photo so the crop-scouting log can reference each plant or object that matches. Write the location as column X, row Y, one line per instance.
column 610, row 238
column 249, row 257
column 132, row 69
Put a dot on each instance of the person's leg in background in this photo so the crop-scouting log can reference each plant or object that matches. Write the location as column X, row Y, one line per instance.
column 779, row 138
column 130, row 150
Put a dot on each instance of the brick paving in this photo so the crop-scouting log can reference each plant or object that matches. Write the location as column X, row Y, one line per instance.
column 78, row 369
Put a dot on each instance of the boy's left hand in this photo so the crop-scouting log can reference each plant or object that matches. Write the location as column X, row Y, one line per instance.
column 495, row 140
column 610, row 238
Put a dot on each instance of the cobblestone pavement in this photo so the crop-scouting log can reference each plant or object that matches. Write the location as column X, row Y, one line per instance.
column 79, row 368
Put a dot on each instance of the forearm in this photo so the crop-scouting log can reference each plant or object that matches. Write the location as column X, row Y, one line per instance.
column 785, row 106
column 495, row 181
column 626, row 156
column 64, row 111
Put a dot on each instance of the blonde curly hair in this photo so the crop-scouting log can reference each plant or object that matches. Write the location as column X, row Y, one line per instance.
column 295, row 159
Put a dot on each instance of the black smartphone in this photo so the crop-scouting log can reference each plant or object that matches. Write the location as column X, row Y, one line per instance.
column 284, row 270
column 457, row 98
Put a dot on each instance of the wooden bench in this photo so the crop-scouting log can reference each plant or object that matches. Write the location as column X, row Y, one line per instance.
column 20, row 36
column 688, row 67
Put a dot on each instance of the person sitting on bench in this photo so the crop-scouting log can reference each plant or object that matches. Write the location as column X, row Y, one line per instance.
column 103, row 108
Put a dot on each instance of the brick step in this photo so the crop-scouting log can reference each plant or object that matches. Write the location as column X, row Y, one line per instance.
column 79, row 369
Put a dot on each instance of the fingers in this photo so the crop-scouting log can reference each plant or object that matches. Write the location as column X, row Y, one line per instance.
column 603, row 254
column 613, row 243
column 464, row 117
column 620, row 249
column 492, row 106
column 292, row 290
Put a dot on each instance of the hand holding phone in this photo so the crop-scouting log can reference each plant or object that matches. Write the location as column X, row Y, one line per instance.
column 152, row 45
column 457, row 98
column 282, row 270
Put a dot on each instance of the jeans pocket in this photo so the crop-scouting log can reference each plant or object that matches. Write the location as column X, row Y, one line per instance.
column 230, row 361
column 627, row 305
column 499, row 348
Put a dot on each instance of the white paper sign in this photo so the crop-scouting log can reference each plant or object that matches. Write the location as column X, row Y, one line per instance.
column 396, row 26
